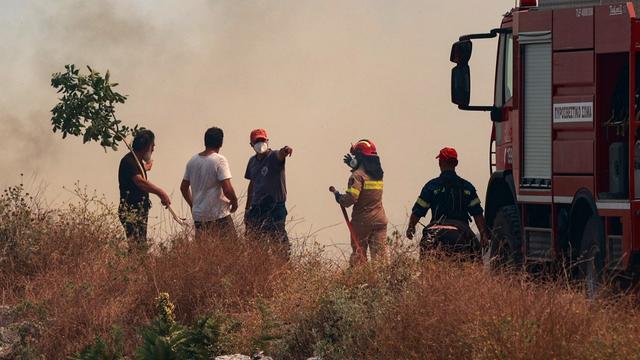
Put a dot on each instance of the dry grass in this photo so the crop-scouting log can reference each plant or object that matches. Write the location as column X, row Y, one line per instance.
column 80, row 284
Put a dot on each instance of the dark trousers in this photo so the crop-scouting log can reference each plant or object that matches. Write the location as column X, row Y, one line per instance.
column 460, row 241
column 134, row 219
column 268, row 223
column 223, row 228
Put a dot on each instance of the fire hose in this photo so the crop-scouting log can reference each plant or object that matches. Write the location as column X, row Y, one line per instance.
column 354, row 237
column 144, row 174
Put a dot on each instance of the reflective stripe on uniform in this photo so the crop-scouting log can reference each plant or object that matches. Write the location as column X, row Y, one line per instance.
column 373, row 185
column 422, row 203
column 467, row 192
column 353, row 191
column 474, row 202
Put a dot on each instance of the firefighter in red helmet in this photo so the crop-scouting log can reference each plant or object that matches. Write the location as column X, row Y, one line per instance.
column 364, row 193
column 453, row 201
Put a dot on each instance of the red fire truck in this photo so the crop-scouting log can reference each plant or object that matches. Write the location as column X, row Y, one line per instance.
column 565, row 173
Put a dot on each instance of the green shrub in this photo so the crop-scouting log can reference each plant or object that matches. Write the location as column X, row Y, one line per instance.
column 163, row 339
column 270, row 332
column 167, row 339
column 103, row 350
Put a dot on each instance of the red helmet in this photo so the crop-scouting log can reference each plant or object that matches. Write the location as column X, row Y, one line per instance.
column 364, row 147
column 447, row 154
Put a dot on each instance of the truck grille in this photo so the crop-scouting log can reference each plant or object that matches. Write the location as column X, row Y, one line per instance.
column 538, row 242
column 615, row 252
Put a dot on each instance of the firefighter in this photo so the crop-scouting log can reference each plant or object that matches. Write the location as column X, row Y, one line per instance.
column 453, row 201
column 364, row 193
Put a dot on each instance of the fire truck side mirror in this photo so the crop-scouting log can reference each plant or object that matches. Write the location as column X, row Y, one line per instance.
column 461, row 85
column 461, row 52
column 496, row 114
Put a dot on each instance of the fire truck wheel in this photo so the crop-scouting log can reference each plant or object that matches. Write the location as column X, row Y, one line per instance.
column 505, row 247
column 591, row 260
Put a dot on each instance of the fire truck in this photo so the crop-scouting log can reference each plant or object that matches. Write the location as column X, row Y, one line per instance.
column 565, row 173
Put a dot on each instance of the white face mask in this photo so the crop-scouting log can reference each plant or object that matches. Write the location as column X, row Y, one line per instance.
column 354, row 163
column 260, row 147
column 147, row 156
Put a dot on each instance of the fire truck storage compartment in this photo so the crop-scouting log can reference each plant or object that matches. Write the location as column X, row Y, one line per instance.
column 612, row 127
column 617, row 169
column 614, row 243
column 537, row 64
column 538, row 232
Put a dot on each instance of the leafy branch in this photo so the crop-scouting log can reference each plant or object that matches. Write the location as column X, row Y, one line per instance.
column 87, row 108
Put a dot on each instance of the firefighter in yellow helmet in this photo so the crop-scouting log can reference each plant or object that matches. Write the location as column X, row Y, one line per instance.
column 364, row 193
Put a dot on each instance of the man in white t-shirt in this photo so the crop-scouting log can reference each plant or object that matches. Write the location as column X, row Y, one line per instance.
column 207, row 189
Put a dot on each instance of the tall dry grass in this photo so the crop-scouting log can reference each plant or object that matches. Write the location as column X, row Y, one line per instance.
column 67, row 269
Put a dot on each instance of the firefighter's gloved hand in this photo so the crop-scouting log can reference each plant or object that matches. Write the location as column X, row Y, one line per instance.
column 337, row 195
column 349, row 160
column 410, row 232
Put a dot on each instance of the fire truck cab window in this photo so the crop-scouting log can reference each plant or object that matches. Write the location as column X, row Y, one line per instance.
column 508, row 68
column 504, row 71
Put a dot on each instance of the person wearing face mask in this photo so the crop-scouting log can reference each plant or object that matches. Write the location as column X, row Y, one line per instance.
column 266, row 212
column 364, row 193
column 135, row 188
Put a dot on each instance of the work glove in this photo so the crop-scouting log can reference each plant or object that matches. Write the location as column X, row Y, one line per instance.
column 348, row 159
column 337, row 195
column 411, row 231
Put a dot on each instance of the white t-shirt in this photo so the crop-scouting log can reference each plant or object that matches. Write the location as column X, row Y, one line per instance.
column 205, row 174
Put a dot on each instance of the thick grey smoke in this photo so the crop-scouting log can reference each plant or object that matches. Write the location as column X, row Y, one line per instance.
column 316, row 74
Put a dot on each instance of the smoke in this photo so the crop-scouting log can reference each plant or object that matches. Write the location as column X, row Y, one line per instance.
column 317, row 75
column 45, row 38
column 23, row 143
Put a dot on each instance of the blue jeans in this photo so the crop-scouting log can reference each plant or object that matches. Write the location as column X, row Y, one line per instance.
column 268, row 221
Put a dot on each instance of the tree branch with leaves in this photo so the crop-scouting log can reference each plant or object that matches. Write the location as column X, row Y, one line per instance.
column 87, row 107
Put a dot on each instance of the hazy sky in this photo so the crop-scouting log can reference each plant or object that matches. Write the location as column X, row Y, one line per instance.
column 317, row 74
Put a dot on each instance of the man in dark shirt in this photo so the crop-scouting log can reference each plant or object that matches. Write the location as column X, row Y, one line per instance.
column 266, row 212
column 135, row 189
column 453, row 201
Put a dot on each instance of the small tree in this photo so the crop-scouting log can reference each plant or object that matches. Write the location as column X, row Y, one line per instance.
column 87, row 108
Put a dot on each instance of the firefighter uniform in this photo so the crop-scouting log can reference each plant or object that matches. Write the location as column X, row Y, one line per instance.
column 368, row 219
column 452, row 200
